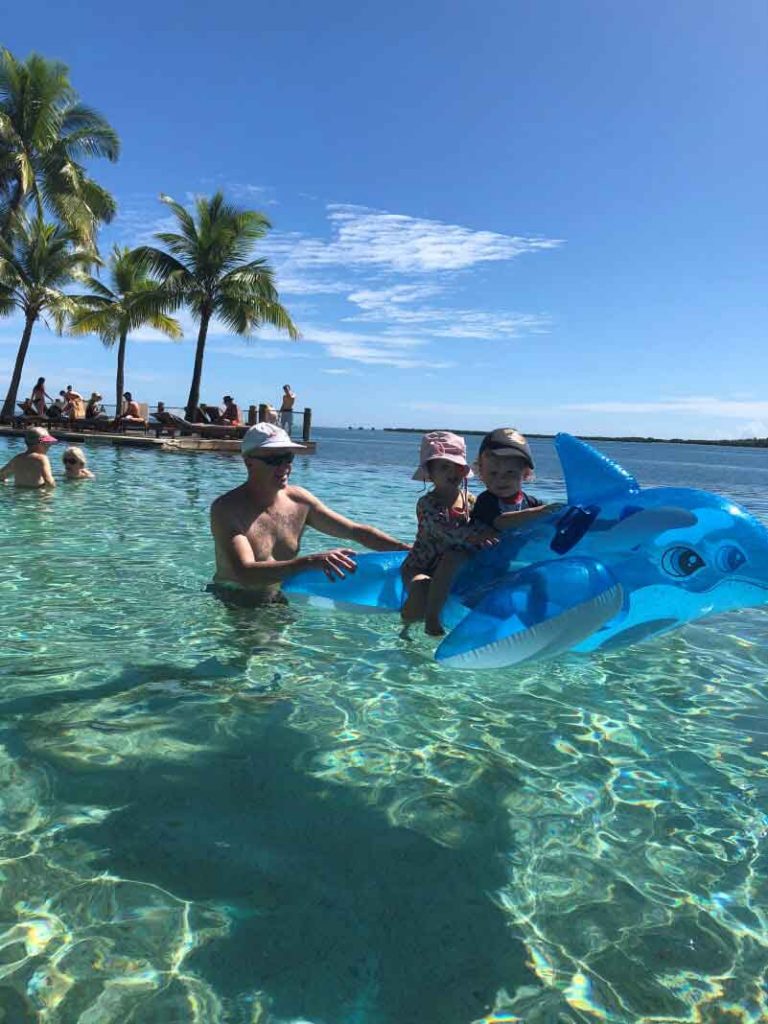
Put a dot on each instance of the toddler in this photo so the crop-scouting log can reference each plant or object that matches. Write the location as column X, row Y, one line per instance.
column 504, row 464
column 443, row 516
column 75, row 467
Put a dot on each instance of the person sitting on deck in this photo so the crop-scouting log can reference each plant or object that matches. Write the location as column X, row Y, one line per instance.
column 32, row 468
column 231, row 414
column 131, row 411
column 258, row 526
column 161, row 414
column 56, row 410
column 75, row 407
column 95, row 409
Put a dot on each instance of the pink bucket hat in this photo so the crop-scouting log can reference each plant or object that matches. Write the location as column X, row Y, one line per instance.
column 441, row 444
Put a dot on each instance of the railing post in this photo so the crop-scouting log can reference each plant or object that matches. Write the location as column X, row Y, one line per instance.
column 306, row 428
column 252, row 415
column 262, row 412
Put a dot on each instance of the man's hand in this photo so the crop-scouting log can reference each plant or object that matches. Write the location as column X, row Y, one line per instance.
column 335, row 564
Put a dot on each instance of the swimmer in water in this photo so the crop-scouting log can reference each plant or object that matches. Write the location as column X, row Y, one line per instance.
column 32, row 468
column 75, row 466
column 258, row 526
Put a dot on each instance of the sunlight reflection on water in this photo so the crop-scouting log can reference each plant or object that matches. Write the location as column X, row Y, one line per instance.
column 211, row 816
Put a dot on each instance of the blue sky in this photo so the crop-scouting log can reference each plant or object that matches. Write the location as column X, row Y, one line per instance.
column 547, row 214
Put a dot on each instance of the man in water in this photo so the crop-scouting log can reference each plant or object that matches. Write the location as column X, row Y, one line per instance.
column 32, row 468
column 257, row 527
column 286, row 409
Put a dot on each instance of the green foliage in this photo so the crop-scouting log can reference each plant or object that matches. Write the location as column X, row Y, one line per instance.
column 37, row 261
column 208, row 267
column 45, row 134
column 133, row 301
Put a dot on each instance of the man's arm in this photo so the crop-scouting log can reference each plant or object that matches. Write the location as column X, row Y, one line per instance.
column 251, row 573
column 47, row 474
column 327, row 521
column 7, row 470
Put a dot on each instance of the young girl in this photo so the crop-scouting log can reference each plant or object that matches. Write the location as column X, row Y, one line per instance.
column 74, row 465
column 443, row 516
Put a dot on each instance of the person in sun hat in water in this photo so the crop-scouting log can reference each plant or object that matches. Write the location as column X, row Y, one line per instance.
column 31, row 468
column 258, row 526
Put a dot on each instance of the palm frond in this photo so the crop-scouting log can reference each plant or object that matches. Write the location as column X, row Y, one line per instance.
column 85, row 132
column 154, row 261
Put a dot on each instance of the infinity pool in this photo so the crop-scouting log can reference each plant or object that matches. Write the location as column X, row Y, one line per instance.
column 219, row 815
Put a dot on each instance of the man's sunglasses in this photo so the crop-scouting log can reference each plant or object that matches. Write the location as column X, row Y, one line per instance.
column 274, row 460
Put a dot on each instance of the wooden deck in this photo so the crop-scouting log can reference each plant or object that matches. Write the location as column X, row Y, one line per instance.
column 137, row 439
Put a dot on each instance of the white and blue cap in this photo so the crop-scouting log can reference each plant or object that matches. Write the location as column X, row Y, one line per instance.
column 270, row 437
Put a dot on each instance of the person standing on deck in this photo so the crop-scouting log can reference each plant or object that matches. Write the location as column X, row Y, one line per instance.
column 258, row 526
column 286, row 409
column 39, row 395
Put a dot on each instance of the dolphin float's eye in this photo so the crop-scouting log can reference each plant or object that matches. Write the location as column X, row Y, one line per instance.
column 730, row 558
column 680, row 561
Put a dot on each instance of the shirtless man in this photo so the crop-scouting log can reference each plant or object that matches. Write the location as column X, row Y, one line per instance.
column 32, row 468
column 131, row 411
column 257, row 527
column 286, row 409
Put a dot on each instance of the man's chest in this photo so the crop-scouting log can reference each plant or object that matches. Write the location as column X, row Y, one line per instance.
column 276, row 532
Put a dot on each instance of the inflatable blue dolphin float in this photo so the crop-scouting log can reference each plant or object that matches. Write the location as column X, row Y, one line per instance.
column 618, row 565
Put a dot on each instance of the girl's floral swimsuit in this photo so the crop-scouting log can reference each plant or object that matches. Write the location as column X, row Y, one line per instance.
column 440, row 529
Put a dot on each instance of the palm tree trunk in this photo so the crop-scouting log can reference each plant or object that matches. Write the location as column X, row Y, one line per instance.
column 120, row 382
column 194, row 389
column 21, row 355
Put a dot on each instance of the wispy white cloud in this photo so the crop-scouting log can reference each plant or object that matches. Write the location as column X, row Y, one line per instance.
column 701, row 405
column 308, row 286
column 362, row 237
column 373, row 349
column 382, row 305
column 342, row 373
column 258, row 351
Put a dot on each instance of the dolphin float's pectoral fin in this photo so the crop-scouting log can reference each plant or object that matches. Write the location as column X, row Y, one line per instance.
column 375, row 585
column 520, row 622
column 644, row 526
column 591, row 477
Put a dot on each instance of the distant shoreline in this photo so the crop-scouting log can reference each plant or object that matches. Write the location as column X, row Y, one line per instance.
column 752, row 442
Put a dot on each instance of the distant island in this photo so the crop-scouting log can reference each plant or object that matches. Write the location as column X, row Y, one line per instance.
column 749, row 442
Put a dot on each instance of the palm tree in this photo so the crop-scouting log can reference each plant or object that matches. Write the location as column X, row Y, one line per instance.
column 45, row 131
column 132, row 301
column 36, row 261
column 209, row 269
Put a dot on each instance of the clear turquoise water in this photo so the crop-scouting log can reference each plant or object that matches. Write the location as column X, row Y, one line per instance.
column 217, row 816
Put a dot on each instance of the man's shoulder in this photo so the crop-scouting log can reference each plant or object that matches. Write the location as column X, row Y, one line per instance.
column 299, row 495
column 228, row 500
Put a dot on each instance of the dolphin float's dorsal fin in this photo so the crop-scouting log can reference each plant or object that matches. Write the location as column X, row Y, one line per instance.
column 590, row 476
